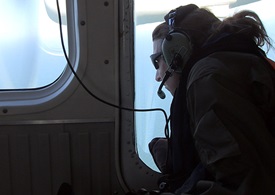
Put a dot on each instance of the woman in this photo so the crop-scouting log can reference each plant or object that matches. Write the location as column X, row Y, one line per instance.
column 223, row 102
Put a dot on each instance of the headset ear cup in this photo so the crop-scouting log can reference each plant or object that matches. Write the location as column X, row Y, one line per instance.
column 176, row 47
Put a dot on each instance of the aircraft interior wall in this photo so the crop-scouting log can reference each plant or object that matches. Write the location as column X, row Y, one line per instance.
column 71, row 136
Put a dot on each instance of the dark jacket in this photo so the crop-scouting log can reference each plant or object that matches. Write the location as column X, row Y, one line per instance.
column 230, row 100
column 223, row 122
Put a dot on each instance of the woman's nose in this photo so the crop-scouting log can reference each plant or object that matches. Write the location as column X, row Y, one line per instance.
column 158, row 77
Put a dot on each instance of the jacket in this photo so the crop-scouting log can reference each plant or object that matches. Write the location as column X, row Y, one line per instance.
column 223, row 122
column 230, row 98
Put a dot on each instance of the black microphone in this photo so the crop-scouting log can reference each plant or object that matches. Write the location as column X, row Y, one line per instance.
column 176, row 59
column 161, row 94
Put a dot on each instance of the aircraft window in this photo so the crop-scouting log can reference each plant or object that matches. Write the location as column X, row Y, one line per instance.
column 148, row 14
column 31, row 55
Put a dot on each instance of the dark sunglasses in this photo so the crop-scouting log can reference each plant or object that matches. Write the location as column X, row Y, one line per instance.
column 155, row 59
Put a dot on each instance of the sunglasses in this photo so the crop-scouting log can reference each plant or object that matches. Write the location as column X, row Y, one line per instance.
column 155, row 59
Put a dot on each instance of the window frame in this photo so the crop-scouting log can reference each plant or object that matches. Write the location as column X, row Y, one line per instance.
column 23, row 101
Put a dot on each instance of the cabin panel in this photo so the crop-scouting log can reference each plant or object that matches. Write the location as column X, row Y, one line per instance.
column 37, row 158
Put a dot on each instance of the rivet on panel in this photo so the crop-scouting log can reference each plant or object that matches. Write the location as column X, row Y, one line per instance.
column 106, row 3
column 5, row 110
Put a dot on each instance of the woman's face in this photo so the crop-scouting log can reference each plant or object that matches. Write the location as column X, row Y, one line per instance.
column 172, row 83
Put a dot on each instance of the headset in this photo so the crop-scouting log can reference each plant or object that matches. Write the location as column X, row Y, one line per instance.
column 176, row 49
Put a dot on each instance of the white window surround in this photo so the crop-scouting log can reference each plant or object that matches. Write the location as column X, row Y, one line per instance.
column 24, row 101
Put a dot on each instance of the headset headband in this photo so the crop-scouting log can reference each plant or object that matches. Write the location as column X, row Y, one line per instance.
column 178, row 14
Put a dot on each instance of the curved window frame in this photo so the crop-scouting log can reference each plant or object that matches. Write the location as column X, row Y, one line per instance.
column 25, row 101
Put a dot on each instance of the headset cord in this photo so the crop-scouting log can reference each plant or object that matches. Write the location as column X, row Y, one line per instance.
column 166, row 130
